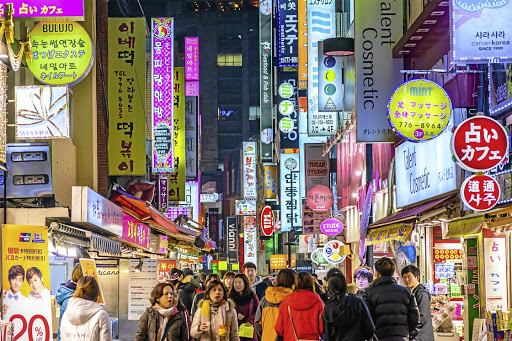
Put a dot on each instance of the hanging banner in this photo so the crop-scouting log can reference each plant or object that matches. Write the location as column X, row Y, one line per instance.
column 89, row 269
column 135, row 232
column 232, row 239
column 127, row 96
column 291, row 210
column 164, row 268
column 303, row 43
column 191, row 58
column 270, row 181
column 288, row 33
column 330, row 82
column 317, row 166
column 140, row 284
column 377, row 72
column 249, row 155
column 400, row 232
column 480, row 31
column 191, row 138
column 163, row 193
column 463, row 227
column 177, row 179
column 500, row 88
column 496, row 277
column 266, row 81
column 162, row 61
column 250, row 240
column 288, row 108
column 212, row 223
column 27, row 301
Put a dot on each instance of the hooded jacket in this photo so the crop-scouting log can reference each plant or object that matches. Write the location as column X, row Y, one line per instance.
column 85, row 321
column 186, row 292
column 306, row 309
column 268, row 309
column 346, row 318
column 149, row 326
column 64, row 293
column 259, row 287
column 425, row 329
column 211, row 335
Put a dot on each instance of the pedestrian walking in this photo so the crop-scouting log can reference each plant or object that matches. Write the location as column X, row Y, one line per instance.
column 257, row 284
column 411, row 278
column 246, row 304
column 346, row 317
column 300, row 313
column 392, row 306
column 185, row 289
column 66, row 291
column 85, row 319
column 228, row 279
column 268, row 309
column 200, row 296
column 215, row 318
column 363, row 277
column 162, row 321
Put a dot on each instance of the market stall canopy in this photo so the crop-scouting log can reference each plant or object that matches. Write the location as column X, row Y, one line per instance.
column 463, row 226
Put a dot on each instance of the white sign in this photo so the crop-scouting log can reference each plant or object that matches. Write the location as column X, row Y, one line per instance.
column 192, row 198
column 377, row 29
column 286, row 125
column 42, row 112
column 333, row 252
column 330, row 83
column 249, row 170
column 321, row 25
column 209, row 197
column 245, row 207
column 89, row 207
column 250, row 240
column 140, row 286
column 424, row 170
column 291, row 207
column 495, row 264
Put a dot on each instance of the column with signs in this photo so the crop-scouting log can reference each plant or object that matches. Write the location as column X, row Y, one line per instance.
column 288, row 33
column 266, row 107
column 291, row 210
column 177, row 179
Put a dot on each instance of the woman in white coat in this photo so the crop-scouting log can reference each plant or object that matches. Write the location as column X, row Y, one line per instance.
column 84, row 319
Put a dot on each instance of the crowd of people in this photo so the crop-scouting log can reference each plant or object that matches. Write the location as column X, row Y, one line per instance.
column 296, row 307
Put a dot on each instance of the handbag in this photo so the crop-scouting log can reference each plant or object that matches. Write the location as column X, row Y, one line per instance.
column 246, row 330
column 293, row 327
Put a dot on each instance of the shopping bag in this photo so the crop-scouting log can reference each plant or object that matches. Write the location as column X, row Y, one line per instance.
column 246, row 330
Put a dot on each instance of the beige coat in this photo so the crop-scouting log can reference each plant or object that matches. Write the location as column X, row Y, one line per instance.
column 211, row 335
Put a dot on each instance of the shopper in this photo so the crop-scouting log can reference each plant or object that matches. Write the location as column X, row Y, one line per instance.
column 411, row 278
column 268, row 309
column 228, row 279
column 215, row 318
column 84, row 319
column 162, row 321
column 185, row 289
column 300, row 314
column 363, row 277
column 200, row 296
column 246, row 303
column 392, row 306
column 257, row 285
column 66, row 291
column 346, row 317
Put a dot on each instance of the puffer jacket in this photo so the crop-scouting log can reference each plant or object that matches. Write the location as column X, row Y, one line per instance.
column 64, row 293
column 85, row 321
column 425, row 329
column 393, row 309
column 306, row 309
column 149, row 326
column 268, row 309
column 347, row 318
column 211, row 335
column 186, row 293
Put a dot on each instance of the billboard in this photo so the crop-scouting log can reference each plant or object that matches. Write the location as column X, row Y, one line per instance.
column 191, row 58
column 291, row 208
column 249, row 155
column 288, row 33
column 317, row 166
column 266, row 81
column 232, row 238
column 191, row 138
column 177, row 179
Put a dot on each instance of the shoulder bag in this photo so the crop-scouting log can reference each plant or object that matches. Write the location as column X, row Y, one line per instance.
column 293, row 327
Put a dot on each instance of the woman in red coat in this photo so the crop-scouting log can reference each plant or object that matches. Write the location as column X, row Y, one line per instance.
column 300, row 314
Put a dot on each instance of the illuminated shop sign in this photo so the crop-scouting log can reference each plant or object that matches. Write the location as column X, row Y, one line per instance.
column 288, row 33
column 44, row 9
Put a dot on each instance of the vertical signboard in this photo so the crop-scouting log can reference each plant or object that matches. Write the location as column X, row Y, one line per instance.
column 270, row 181
column 192, row 198
column 288, row 33
column 291, row 208
column 265, row 49
column 177, row 179
column 212, row 221
column 163, row 193
column 127, row 96
column 377, row 72
column 330, row 83
column 232, row 238
column 317, row 166
column 500, row 88
column 249, row 170
column 321, row 25
column 303, row 43
column 496, row 278
column 288, row 107
column 191, row 140
column 140, row 284
column 191, row 58
column 250, row 240
column 162, row 61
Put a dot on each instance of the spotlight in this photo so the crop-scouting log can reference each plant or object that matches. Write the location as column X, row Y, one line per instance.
column 138, row 268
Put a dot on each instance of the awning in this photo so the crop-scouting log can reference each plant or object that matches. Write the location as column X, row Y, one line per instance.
column 401, row 232
column 105, row 246
column 463, row 226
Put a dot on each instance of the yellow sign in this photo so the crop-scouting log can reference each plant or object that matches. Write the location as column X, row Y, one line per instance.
column 177, row 179
column 62, row 52
column 401, row 232
column 223, row 265
column 463, row 227
column 26, row 282
column 419, row 110
column 303, row 43
column 235, row 267
column 89, row 269
column 127, row 96
column 278, row 262
column 270, row 181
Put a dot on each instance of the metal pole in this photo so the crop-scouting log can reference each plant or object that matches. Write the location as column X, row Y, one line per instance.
column 369, row 180
column 5, row 194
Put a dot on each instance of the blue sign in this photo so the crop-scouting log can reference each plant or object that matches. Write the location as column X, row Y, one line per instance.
column 288, row 33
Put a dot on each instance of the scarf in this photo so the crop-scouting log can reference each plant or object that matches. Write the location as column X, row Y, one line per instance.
column 240, row 300
column 206, row 310
column 164, row 315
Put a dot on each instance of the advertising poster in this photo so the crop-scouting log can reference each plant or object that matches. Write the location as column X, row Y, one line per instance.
column 127, row 96
column 317, row 166
column 288, row 107
column 26, row 282
column 139, row 287
column 250, row 240
column 249, row 155
column 178, row 178
column 265, row 51
column 164, row 267
column 496, row 277
column 89, row 269
column 291, row 209
column 288, row 33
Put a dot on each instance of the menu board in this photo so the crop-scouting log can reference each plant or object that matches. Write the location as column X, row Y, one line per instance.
column 140, row 286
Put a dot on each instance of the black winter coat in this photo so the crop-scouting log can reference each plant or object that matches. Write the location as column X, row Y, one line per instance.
column 393, row 309
column 149, row 325
column 425, row 329
column 186, row 293
column 347, row 318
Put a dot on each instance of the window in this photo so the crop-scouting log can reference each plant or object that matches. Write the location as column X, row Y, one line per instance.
column 229, row 59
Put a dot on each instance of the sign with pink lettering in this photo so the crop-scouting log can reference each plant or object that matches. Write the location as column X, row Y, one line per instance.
column 135, row 232
column 44, row 9
column 192, row 88
column 162, row 61
column 191, row 58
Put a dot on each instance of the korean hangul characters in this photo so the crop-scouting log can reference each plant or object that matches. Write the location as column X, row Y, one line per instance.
column 126, row 148
column 35, row 44
column 54, row 66
column 124, row 27
column 81, row 42
column 54, row 43
column 482, row 34
column 130, row 80
column 124, row 166
column 63, row 66
column 158, row 95
column 158, row 79
column 128, row 55
column 127, row 127
column 44, row 43
column 63, row 43
column 130, row 98
column 498, row 34
column 72, row 42
column 158, row 47
column 130, row 89
column 44, row 66
column 130, row 41
column 176, row 100
column 72, row 66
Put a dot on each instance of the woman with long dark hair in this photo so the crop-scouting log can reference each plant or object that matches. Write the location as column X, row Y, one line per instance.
column 246, row 303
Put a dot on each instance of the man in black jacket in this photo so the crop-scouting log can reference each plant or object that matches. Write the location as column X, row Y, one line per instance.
column 392, row 306
column 411, row 277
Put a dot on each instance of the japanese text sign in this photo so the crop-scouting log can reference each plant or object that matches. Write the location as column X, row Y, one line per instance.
column 164, row 268
column 191, row 58
column 419, row 110
column 270, row 181
column 178, row 178
column 135, row 232
column 288, row 107
column 127, row 96
column 479, row 143
column 249, row 170
column 162, row 82
column 320, row 199
column 250, row 240
column 302, row 16
column 288, row 33
column 267, row 221
column 291, row 208
column 480, row 192
column 163, row 193
column 44, row 9
column 496, row 277
column 62, row 53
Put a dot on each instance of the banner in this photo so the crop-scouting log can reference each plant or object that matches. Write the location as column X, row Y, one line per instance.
column 162, row 63
column 89, row 269
column 191, row 138
column 317, row 166
column 288, row 33
column 400, row 232
column 266, row 81
column 291, row 210
column 249, row 155
column 288, row 107
column 140, row 284
column 127, row 96
column 177, row 179
column 270, row 181
column 303, row 43
column 164, row 267
column 26, row 279
column 46, row 9
column 232, row 238
column 330, row 82
column 250, row 240
column 191, row 58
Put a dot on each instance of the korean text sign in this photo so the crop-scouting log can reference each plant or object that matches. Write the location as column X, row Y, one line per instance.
column 162, row 66
column 43, row 9
column 26, row 281
column 135, row 232
column 164, row 267
column 480, row 31
column 291, row 208
column 127, row 96
column 249, row 155
column 250, row 240
column 191, row 137
column 191, row 58
column 480, row 192
column 288, row 33
column 270, row 181
column 177, row 179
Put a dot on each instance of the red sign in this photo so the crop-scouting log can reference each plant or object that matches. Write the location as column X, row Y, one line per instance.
column 480, row 192
column 320, row 199
column 479, row 143
column 164, row 267
column 267, row 221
